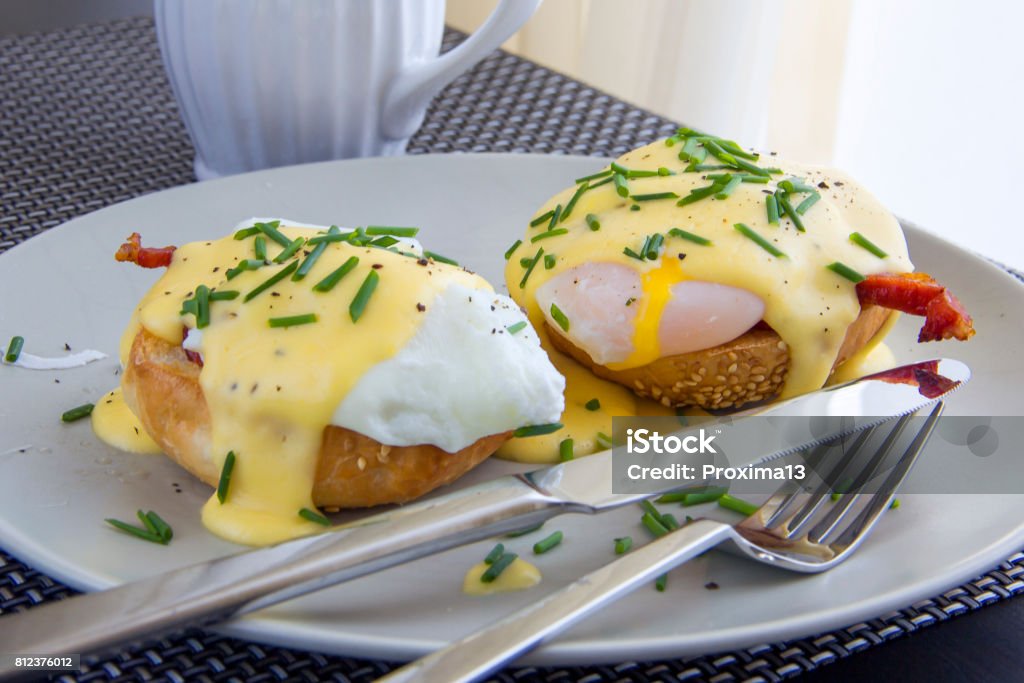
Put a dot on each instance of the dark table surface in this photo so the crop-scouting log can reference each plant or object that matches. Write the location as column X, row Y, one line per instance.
column 87, row 119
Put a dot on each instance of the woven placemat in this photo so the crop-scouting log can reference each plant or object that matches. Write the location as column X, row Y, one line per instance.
column 87, row 119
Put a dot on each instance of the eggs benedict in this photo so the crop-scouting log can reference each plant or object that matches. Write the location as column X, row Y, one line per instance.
column 297, row 367
column 698, row 273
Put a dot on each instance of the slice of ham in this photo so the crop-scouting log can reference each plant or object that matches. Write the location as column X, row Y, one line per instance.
column 147, row 257
column 919, row 294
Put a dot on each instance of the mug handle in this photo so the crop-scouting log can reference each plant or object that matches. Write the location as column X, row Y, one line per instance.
column 406, row 100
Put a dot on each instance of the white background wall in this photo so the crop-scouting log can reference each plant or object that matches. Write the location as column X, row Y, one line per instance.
column 922, row 100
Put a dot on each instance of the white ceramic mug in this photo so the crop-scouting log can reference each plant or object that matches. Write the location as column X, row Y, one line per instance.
column 265, row 83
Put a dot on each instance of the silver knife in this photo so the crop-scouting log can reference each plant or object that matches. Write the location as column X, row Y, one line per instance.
column 220, row 589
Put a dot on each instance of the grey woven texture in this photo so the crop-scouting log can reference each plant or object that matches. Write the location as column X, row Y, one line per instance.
column 87, row 119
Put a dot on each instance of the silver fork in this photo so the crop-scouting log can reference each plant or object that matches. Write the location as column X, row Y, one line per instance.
column 793, row 530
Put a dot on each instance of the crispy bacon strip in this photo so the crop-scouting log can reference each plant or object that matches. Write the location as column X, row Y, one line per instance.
column 919, row 294
column 925, row 376
column 147, row 257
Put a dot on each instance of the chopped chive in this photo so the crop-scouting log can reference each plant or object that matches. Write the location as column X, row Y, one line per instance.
column 894, row 504
column 525, row 262
column 537, row 430
column 758, row 240
column 247, row 264
column 796, row 185
column 554, row 217
column 689, row 149
column 592, row 222
column 362, row 297
column 189, row 306
column 708, row 496
column 391, row 230
column 642, row 174
column 669, row 521
column 649, row 508
column 496, row 552
column 673, row 497
column 246, row 232
column 202, row 306
column 293, row 320
column 653, row 525
column 147, row 522
column 327, row 239
column 863, row 242
column 603, row 440
column 272, row 280
column 618, row 168
column 144, row 534
column 162, row 528
column 620, row 185
column 572, row 202
column 623, row 544
column 271, row 231
column 512, row 249
column 736, row 505
column 787, row 208
column 596, row 176
column 223, row 294
column 772, row 207
column 653, row 246
column 753, row 168
column 546, row 544
column 716, row 150
column 653, row 196
column 440, row 259
column 695, row 167
column 314, row 516
column 77, row 413
column 672, row 140
column 543, row 218
column 225, row 477
column 328, row 283
column 698, row 194
column 592, row 405
column 529, row 269
column 689, row 236
column 559, row 317
column 549, row 261
column 500, row 565
column 383, row 242
column 523, row 532
column 632, row 254
column 14, row 349
column 599, row 183
column 307, row 263
column 260, row 247
column 845, row 271
column 661, row 582
column 635, row 207
column 811, row 200
column 519, row 326
column 662, row 171
column 731, row 184
column 290, row 250
column 549, row 233
column 565, row 453
column 736, row 150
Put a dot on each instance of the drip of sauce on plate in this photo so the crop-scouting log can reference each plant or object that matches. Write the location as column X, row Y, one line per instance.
column 115, row 424
column 518, row 576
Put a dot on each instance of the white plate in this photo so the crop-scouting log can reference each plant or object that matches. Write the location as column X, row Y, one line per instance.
column 64, row 286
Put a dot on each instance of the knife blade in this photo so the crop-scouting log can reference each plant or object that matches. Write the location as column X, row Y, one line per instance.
column 238, row 584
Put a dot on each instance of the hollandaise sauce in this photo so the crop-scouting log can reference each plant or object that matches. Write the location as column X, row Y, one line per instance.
column 114, row 423
column 517, row 576
column 699, row 208
column 285, row 321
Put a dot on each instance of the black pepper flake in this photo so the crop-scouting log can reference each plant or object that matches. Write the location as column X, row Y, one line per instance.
column 216, row 269
column 56, row 381
column 254, row 388
column 278, row 352
column 279, row 387
column 681, row 256
column 275, row 294
column 420, row 307
column 377, row 266
column 234, row 385
column 422, row 262
column 630, row 300
column 67, row 347
column 711, row 586
column 838, row 183
column 108, row 402
column 136, row 430
column 823, row 185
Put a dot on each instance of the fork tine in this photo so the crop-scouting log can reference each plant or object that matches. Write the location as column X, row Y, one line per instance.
column 879, row 502
column 844, row 504
column 796, row 523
